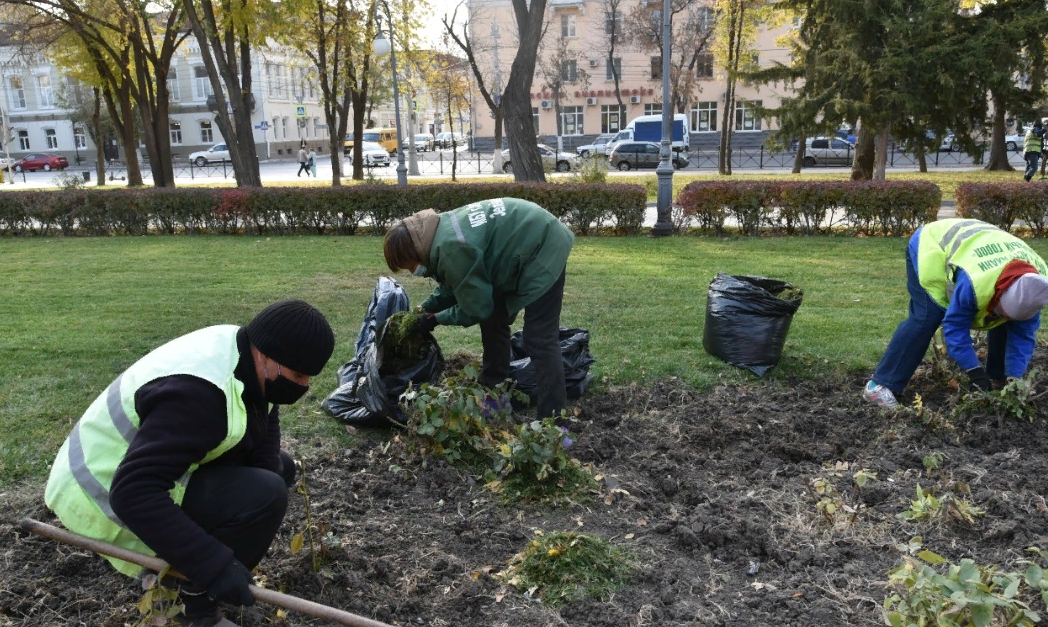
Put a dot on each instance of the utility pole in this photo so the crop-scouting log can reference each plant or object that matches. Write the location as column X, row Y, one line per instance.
column 496, row 94
column 664, row 173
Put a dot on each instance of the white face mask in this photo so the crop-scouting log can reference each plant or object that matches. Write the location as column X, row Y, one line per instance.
column 420, row 270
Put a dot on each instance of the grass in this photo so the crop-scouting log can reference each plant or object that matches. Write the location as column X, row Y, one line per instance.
column 560, row 567
column 77, row 311
column 947, row 181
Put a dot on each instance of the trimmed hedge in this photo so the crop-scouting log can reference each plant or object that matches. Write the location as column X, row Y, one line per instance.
column 811, row 207
column 287, row 210
column 1004, row 204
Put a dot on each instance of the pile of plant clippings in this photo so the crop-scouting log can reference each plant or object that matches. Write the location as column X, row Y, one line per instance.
column 740, row 505
column 403, row 345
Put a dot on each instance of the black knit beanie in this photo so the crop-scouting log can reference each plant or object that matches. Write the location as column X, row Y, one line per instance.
column 293, row 334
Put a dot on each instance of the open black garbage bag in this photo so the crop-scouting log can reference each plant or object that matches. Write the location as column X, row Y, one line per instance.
column 574, row 347
column 747, row 322
column 365, row 397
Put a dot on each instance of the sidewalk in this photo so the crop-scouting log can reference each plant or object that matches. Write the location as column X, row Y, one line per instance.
column 948, row 209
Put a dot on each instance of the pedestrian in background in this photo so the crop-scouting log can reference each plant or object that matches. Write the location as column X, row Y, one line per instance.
column 1033, row 146
column 313, row 161
column 303, row 161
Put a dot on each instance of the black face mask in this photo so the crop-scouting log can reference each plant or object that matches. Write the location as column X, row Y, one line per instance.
column 282, row 391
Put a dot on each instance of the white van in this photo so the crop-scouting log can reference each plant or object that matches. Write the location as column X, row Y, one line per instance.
column 648, row 128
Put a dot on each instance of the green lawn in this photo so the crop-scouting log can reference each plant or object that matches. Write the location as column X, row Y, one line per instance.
column 76, row 311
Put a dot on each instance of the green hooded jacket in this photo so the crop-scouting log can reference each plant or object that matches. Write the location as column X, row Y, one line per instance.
column 505, row 247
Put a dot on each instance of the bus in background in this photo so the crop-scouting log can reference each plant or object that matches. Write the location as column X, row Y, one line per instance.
column 385, row 137
column 347, row 145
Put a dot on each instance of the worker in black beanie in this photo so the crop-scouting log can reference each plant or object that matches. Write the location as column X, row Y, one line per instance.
column 183, row 456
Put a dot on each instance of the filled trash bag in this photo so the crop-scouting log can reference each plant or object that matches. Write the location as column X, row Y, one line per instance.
column 574, row 347
column 747, row 319
column 364, row 396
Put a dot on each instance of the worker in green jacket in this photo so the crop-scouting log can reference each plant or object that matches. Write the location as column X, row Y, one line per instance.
column 1033, row 146
column 492, row 259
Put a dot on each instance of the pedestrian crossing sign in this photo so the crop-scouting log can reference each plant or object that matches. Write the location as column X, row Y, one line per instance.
column 300, row 111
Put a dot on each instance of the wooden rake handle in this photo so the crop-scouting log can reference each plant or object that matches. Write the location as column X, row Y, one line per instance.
column 271, row 597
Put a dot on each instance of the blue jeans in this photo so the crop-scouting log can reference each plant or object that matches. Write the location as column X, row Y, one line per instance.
column 910, row 342
column 1031, row 164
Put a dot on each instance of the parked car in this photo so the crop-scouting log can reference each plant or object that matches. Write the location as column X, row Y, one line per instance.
column 627, row 155
column 215, row 154
column 423, row 142
column 374, row 155
column 450, row 140
column 1014, row 141
column 847, row 133
column 45, row 161
column 828, row 151
column 551, row 160
column 6, row 163
column 597, row 147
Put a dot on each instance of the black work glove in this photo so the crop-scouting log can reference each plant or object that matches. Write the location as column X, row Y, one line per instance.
column 427, row 322
column 978, row 378
column 231, row 585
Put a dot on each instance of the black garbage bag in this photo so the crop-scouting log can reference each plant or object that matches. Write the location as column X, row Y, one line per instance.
column 747, row 321
column 574, row 347
column 364, row 397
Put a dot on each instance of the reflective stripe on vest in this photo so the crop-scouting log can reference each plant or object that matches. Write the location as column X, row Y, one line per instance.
column 78, row 466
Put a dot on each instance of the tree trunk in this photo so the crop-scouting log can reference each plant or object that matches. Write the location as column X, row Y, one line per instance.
column 998, row 151
column 454, row 148
column 125, row 123
column 862, row 164
column 727, row 123
column 100, row 151
column 516, row 101
column 359, row 110
column 880, row 162
column 922, row 159
column 798, row 159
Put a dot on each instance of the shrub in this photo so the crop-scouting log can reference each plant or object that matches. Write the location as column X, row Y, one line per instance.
column 276, row 210
column 1003, row 204
column 868, row 207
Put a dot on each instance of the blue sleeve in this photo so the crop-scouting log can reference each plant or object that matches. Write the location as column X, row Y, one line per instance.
column 1022, row 340
column 957, row 324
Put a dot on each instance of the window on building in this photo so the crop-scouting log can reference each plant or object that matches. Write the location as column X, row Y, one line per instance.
column 614, row 27
column 176, row 133
column 300, row 124
column 201, row 83
column 611, row 117
column 270, row 85
column 569, row 71
column 282, row 82
column 653, row 108
column 302, row 82
column 173, row 93
column 535, row 119
column 613, row 69
column 206, row 134
column 567, row 24
column 17, row 92
column 316, row 127
column 656, row 68
column 79, row 137
column 571, row 120
column 52, row 138
column 284, row 125
column 755, row 60
column 312, row 88
column 704, row 66
column 704, row 117
column 23, row 139
column 746, row 118
column 43, row 88
column 707, row 18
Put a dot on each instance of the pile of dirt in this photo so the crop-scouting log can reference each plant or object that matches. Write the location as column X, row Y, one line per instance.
column 710, row 494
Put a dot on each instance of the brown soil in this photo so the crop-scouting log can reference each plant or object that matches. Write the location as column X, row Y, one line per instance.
column 706, row 487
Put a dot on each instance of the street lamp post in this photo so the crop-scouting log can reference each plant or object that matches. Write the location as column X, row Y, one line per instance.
column 383, row 47
column 663, row 225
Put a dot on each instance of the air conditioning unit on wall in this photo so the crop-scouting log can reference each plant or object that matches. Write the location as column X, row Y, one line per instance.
column 547, row 104
column 594, row 62
column 591, row 101
column 634, row 99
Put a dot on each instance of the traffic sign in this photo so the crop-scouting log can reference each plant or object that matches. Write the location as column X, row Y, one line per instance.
column 414, row 105
column 264, row 125
column 300, row 111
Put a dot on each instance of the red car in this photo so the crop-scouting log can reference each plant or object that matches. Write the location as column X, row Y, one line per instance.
column 45, row 161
